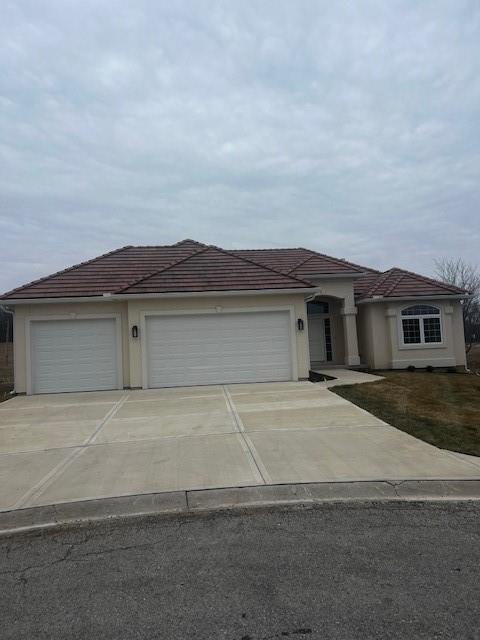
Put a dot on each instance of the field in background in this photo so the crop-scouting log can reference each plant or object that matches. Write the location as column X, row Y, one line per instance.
column 473, row 358
column 6, row 369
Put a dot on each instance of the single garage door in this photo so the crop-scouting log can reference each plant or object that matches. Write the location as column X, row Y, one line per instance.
column 218, row 348
column 73, row 355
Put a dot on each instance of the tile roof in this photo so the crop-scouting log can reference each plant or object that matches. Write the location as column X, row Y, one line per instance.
column 158, row 269
column 214, row 269
column 106, row 273
column 300, row 262
column 399, row 283
column 190, row 266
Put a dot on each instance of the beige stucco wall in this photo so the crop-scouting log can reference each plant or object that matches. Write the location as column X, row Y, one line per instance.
column 340, row 293
column 380, row 337
column 341, row 288
column 378, row 325
column 131, row 313
column 373, row 336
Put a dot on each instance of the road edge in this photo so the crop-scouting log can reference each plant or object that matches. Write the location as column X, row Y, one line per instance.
column 212, row 500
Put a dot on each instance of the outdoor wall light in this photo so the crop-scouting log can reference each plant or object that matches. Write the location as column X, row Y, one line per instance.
column 300, row 324
column 134, row 331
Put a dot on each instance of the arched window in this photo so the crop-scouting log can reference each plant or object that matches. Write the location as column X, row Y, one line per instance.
column 421, row 324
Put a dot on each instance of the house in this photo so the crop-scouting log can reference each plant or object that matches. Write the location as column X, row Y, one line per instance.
column 188, row 314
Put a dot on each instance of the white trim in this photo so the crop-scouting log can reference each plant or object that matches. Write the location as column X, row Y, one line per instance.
column 418, row 299
column 73, row 316
column 225, row 311
column 154, row 296
column 420, row 317
column 333, row 337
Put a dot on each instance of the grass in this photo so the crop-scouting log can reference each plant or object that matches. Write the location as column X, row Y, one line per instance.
column 440, row 408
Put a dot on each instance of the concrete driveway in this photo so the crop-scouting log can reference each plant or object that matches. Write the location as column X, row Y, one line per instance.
column 79, row 446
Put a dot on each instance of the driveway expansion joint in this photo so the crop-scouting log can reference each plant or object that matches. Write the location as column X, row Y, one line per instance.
column 254, row 456
column 47, row 480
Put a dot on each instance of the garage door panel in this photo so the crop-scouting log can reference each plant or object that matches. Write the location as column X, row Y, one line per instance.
column 215, row 349
column 73, row 355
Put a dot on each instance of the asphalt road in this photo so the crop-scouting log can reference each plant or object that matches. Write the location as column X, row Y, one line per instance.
column 337, row 571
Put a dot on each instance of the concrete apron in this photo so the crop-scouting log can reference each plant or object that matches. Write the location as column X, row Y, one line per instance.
column 87, row 449
column 237, row 499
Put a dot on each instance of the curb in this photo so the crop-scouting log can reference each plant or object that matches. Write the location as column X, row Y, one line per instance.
column 204, row 500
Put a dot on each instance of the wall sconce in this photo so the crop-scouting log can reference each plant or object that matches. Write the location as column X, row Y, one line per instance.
column 134, row 331
column 300, row 324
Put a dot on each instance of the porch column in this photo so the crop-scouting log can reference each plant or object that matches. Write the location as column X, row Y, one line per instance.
column 349, row 315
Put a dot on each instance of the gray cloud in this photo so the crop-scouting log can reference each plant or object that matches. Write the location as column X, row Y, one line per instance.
column 351, row 128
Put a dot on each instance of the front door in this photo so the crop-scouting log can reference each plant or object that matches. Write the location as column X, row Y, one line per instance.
column 316, row 338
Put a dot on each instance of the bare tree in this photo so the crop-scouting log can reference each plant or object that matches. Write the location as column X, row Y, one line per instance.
column 466, row 276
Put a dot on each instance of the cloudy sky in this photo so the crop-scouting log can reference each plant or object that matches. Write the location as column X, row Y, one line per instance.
column 352, row 128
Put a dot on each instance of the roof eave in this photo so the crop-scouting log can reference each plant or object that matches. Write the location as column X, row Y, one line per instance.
column 437, row 296
column 174, row 294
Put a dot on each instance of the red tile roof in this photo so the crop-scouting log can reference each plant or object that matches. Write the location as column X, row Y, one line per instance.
column 191, row 266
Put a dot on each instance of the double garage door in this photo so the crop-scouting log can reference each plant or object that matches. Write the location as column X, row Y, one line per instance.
column 183, row 350
column 217, row 348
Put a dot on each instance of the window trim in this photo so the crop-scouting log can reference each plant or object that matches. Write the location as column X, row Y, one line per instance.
column 421, row 317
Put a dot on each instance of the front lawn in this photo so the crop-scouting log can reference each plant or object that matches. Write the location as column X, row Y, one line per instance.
column 440, row 408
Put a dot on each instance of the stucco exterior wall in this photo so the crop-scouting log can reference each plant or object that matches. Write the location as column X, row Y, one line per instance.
column 378, row 328
column 341, row 288
column 340, row 293
column 131, row 314
column 381, row 337
column 374, row 339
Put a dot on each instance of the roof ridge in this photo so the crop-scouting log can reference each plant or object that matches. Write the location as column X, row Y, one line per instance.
column 395, row 283
column 62, row 271
column 337, row 260
column 380, row 281
column 133, row 283
column 302, row 262
column 263, row 266
column 201, row 244
column 445, row 285
column 167, row 246
column 316, row 253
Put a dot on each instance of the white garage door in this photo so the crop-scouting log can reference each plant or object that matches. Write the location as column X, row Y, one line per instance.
column 218, row 348
column 73, row 355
